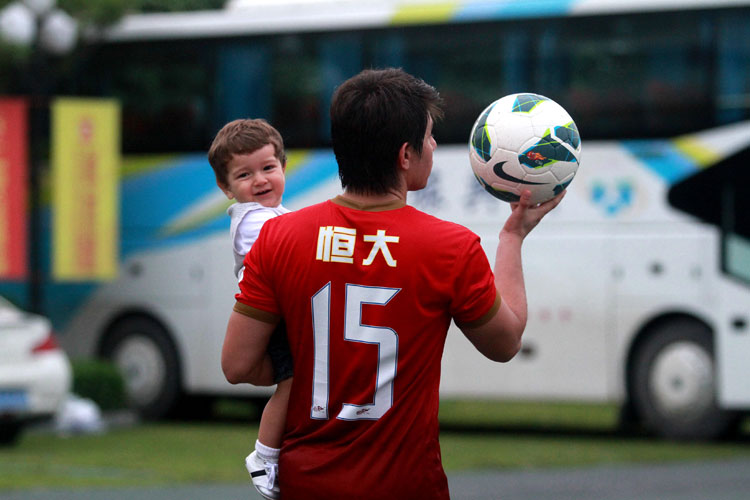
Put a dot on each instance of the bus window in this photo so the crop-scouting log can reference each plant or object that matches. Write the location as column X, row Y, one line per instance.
column 733, row 82
column 637, row 76
column 644, row 75
column 340, row 57
column 471, row 65
column 243, row 85
column 305, row 71
column 720, row 196
column 737, row 256
column 165, row 90
column 735, row 201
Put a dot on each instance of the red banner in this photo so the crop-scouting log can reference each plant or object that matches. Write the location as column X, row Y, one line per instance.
column 13, row 187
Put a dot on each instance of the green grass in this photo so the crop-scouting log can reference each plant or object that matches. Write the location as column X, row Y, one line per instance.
column 486, row 451
column 479, row 435
column 540, row 416
column 146, row 454
column 491, row 435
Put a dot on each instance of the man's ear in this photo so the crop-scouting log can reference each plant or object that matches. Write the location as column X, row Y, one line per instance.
column 404, row 154
column 225, row 189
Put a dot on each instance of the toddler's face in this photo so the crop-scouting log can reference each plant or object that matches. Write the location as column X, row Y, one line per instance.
column 257, row 176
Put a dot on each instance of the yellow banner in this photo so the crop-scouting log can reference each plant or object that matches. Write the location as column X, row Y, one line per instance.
column 85, row 187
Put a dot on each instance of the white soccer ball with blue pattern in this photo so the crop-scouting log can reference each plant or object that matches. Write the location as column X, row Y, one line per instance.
column 524, row 141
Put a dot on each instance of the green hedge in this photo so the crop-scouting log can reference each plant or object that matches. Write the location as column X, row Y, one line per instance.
column 101, row 382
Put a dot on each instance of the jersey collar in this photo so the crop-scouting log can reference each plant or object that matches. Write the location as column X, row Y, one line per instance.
column 375, row 207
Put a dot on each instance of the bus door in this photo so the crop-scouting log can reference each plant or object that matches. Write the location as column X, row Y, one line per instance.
column 720, row 195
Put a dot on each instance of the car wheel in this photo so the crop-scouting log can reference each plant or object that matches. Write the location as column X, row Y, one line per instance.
column 10, row 431
column 147, row 359
column 673, row 383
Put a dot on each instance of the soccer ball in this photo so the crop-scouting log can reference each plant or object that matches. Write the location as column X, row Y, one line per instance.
column 524, row 141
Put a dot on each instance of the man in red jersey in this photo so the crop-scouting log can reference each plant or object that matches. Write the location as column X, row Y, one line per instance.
column 368, row 287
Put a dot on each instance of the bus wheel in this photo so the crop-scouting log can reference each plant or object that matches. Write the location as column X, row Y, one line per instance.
column 673, row 384
column 147, row 359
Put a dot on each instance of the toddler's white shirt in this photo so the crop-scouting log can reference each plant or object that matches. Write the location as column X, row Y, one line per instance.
column 247, row 219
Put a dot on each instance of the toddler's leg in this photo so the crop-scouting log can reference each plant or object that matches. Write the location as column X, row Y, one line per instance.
column 273, row 420
column 263, row 463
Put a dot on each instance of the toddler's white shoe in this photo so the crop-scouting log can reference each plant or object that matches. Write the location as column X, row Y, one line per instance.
column 264, row 475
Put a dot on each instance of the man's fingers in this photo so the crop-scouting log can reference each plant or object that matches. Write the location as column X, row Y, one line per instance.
column 523, row 199
column 551, row 203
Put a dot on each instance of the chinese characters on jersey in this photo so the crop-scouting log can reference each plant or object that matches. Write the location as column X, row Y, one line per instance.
column 337, row 244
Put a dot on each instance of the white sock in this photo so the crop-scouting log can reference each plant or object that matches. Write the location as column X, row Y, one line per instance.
column 266, row 452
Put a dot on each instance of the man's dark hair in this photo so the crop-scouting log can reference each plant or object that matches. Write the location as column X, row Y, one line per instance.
column 372, row 115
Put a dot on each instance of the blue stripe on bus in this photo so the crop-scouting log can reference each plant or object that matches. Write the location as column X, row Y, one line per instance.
column 472, row 11
column 152, row 200
column 155, row 197
column 662, row 158
column 319, row 167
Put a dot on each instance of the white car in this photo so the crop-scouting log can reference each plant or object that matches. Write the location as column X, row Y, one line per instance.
column 35, row 373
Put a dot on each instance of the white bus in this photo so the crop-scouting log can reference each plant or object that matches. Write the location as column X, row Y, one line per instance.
column 638, row 283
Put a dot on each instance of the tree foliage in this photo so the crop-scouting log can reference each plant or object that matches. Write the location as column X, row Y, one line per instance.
column 105, row 12
column 90, row 14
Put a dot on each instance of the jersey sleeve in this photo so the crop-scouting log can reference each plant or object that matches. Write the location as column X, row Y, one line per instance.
column 256, row 285
column 475, row 298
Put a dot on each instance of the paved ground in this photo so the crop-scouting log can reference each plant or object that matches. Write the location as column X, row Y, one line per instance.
column 694, row 481
column 729, row 480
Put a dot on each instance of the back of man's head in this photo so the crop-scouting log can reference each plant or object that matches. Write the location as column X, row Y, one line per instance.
column 372, row 115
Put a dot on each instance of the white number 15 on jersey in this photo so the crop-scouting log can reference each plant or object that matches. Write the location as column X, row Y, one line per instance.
column 354, row 331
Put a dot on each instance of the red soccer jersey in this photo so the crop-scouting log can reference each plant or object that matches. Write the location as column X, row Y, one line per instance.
column 368, row 296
